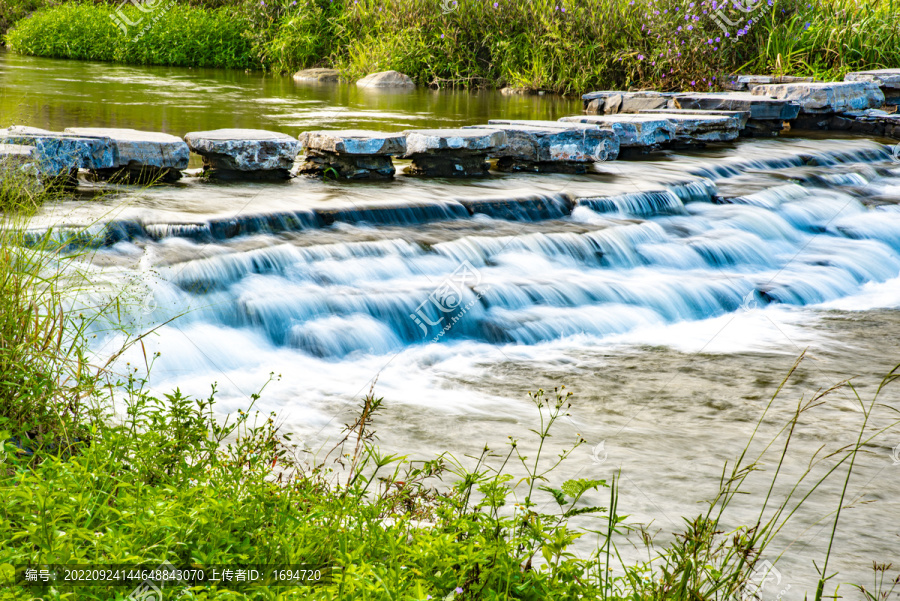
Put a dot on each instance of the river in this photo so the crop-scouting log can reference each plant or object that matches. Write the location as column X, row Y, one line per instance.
column 672, row 308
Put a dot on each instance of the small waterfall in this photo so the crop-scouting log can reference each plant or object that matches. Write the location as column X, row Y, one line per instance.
column 531, row 208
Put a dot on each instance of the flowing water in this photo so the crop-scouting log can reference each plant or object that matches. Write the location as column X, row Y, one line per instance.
column 671, row 295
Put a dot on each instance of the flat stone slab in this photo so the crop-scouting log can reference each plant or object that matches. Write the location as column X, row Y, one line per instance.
column 454, row 141
column 543, row 144
column 634, row 131
column 60, row 154
column 613, row 102
column 759, row 107
column 244, row 150
column 452, row 152
column 883, row 78
column 317, row 76
column 354, row 142
column 748, row 82
column 826, row 97
column 871, row 122
column 699, row 127
column 141, row 148
column 386, row 79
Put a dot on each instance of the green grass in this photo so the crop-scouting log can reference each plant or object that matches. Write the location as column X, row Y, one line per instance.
column 180, row 36
column 539, row 44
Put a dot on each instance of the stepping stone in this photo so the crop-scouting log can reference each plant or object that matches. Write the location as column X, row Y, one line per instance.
column 541, row 148
column 141, row 156
column 612, row 102
column 386, row 79
column 635, row 131
column 692, row 127
column 760, row 108
column 317, row 76
column 742, row 83
column 452, row 152
column 58, row 155
column 871, row 122
column 826, row 97
column 244, row 153
column 351, row 154
column 887, row 79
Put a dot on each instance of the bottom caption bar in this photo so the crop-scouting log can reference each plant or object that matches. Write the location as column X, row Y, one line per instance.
column 169, row 576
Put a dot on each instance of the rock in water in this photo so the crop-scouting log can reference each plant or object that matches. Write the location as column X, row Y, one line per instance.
column 551, row 148
column 886, row 79
column 244, row 153
column 386, row 79
column 141, row 156
column 642, row 132
column 351, row 154
column 317, row 76
column 824, row 98
column 58, row 156
column 452, row 152
column 611, row 102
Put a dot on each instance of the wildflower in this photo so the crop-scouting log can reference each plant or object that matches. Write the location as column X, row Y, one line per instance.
column 564, row 10
column 718, row 39
column 495, row 5
column 679, row 28
column 690, row 27
column 458, row 590
column 693, row 83
column 442, row 36
column 640, row 57
column 806, row 25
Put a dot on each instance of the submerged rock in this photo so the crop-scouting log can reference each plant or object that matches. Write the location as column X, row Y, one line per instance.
column 317, row 76
column 141, row 156
column 60, row 155
column 244, row 153
column 826, row 97
column 452, row 152
column 351, row 154
column 639, row 131
column 386, row 79
column 551, row 148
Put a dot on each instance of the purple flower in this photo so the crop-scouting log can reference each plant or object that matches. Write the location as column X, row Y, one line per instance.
column 718, row 39
column 726, row 34
column 806, row 25
column 640, row 57
column 442, row 36
column 690, row 27
column 679, row 28
column 564, row 10
column 693, row 83
column 458, row 590
column 495, row 5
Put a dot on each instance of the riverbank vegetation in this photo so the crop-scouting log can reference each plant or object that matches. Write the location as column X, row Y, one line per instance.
column 537, row 44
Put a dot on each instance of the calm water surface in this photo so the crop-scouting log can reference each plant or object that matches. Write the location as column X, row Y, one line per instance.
column 672, row 316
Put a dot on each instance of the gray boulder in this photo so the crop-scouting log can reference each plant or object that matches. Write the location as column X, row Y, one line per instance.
column 142, row 156
column 244, row 153
column 758, row 107
column 826, row 97
column 386, row 79
column 317, row 76
column 452, row 152
column 552, row 148
column 351, row 154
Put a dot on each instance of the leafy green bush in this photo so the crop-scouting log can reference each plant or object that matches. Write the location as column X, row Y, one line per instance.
column 171, row 35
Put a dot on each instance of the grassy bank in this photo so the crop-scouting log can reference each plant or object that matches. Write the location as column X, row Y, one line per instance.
column 540, row 44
